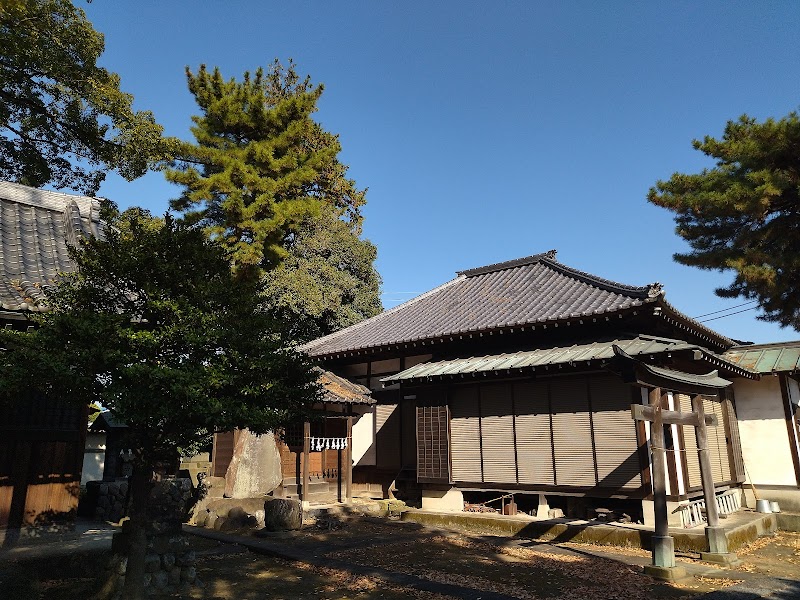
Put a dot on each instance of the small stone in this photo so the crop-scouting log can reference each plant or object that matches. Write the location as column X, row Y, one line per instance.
column 148, row 579
column 122, row 567
column 185, row 559
column 160, row 580
column 103, row 491
column 174, row 577
column 123, row 488
column 168, row 561
column 188, row 574
column 152, row 562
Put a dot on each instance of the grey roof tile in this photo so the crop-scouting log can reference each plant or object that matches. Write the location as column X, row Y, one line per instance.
column 35, row 228
column 522, row 292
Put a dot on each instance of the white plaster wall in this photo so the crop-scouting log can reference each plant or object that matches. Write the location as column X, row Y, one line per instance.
column 364, row 439
column 94, row 457
column 762, row 429
column 451, row 500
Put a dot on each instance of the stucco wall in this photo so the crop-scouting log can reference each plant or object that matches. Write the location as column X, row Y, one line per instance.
column 762, row 429
column 364, row 439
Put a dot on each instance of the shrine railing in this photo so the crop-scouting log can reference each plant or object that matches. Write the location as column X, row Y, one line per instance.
column 693, row 514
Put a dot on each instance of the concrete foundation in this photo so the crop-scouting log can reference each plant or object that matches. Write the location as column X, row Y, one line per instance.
column 665, row 573
column 663, row 551
column 787, row 497
column 673, row 516
column 448, row 500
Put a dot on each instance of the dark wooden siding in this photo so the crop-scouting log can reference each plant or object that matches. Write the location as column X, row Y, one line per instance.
column 41, row 456
column 387, row 436
column 573, row 432
column 433, row 452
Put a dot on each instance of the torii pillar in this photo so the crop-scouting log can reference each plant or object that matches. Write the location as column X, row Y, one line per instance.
column 656, row 379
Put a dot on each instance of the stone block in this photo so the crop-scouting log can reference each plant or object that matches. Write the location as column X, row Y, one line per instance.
column 152, row 563
column 186, row 559
column 168, row 561
column 665, row 573
column 282, row 515
column 188, row 574
column 174, row 577
column 160, row 580
column 555, row 513
column 728, row 559
column 255, row 468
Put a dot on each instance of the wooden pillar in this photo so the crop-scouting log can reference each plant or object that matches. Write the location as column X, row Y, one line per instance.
column 706, row 476
column 715, row 535
column 663, row 564
column 348, row 460
column 306, row 460
column 659, row 466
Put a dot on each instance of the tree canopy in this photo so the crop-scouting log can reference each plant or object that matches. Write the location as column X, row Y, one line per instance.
column 261, row 165
column 326, row 282
column 63, row 119
column 155, row 326
column 744, row 213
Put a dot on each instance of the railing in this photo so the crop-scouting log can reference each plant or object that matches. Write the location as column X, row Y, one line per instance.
column 694, row 513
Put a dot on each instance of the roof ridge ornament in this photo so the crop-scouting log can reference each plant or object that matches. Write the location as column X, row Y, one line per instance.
column 656, row 289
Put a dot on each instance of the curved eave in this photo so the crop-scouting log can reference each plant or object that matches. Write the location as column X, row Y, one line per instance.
column 676, row 318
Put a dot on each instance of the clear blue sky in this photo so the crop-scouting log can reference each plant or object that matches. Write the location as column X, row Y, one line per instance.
column 486, row 131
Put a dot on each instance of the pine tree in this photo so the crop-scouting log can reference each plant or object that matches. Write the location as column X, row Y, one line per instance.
column 744, row 213
column 260, row 165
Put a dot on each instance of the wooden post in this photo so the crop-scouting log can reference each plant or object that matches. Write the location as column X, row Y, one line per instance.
column 349, row 459
column 715, row 535
column 663, row 566
column 306, row 460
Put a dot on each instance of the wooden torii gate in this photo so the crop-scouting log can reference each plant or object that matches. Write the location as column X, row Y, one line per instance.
column 658, row 381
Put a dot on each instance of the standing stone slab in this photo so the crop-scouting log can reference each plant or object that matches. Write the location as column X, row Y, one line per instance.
column 255, row 468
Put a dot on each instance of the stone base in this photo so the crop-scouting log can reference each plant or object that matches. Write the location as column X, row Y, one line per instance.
column 663, row 551
column 728, row 559
column 451, row 500
column 665, row 573
column 717, row 540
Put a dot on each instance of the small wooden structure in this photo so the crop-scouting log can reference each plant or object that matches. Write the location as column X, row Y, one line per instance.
column 41, row 439
column 322, row 449
column 657, row 381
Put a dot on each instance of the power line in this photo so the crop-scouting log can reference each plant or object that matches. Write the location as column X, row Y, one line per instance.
column 728, row 315
column 725, row 309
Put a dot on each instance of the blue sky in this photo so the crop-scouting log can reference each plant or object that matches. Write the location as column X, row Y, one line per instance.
column 486, row 131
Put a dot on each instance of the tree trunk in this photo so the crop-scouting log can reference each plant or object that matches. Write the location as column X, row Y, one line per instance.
column 137, row 548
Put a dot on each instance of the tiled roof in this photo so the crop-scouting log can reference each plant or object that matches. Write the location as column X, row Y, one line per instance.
column 522, row 292
column 35, row 228
column 341, row 391
column 767, row 358
column 542, row 359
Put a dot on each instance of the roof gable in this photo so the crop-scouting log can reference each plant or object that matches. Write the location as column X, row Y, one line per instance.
column 35, row 228
column 521, row 292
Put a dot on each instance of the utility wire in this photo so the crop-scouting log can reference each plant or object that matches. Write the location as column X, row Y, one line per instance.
column 724, row 309
column 729, row 314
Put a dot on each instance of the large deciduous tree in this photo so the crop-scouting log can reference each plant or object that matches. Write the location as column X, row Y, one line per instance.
column 744, row 213
column 326, row 282
column 261, row 165
column 63, row 119
column 155, row 326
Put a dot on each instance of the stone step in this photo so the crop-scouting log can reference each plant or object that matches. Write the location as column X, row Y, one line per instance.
column 314, row 487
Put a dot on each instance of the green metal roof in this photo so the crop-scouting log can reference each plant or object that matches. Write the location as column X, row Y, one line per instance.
column 767, row 358
column 544, row 358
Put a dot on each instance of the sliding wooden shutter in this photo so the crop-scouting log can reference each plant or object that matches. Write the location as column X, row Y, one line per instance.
column 534, row 443
column 572, row 433
column 691, row 461
column 465, row 434
column 614, row 433
column 497, row 434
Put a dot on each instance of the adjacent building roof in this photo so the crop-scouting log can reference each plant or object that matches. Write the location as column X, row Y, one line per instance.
column 341, row 391
column 551, row 359
column 35, row 228
column 520, row 293
column 767, row 358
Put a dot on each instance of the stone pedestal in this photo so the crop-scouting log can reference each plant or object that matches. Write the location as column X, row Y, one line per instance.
column 718, row 548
